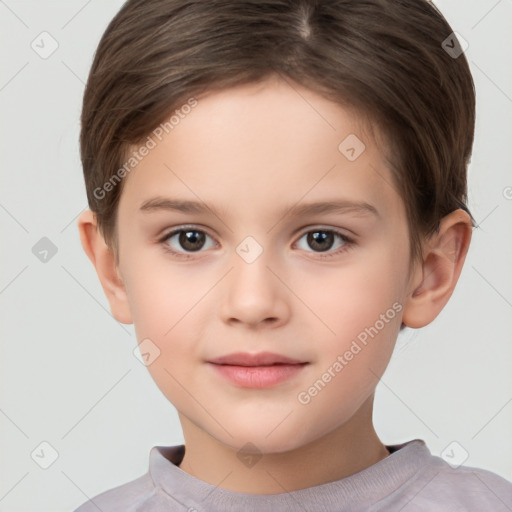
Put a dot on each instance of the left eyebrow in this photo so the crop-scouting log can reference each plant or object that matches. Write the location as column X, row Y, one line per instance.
column 299, row 210
column 332, row 207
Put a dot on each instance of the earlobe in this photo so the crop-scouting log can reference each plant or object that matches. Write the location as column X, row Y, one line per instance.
column 103, row 259
column 435, row 278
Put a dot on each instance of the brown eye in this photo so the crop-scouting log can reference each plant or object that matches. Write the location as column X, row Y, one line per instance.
column 320, row 240
column 323, row 240
column 191, row 240
column 184, row 241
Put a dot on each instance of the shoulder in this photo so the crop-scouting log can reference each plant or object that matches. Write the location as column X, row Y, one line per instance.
column 129, row 497
column 457, row 489
column 144, row 494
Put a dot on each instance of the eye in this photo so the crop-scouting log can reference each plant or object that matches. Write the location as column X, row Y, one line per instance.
column 188, row 239
column 323, row 240
column 185, row 241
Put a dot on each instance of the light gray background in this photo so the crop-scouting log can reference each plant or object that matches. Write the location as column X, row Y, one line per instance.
column 68, row 374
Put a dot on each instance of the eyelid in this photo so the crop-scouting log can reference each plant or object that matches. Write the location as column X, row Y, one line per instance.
column 324, row 227
column 184, row 227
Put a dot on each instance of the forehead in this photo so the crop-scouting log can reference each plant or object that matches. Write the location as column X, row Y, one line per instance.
column 266, row 143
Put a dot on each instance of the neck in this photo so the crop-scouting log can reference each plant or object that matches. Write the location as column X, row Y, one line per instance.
column 346, row 450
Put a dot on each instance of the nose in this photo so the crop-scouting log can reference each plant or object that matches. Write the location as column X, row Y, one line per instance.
column 254, row 295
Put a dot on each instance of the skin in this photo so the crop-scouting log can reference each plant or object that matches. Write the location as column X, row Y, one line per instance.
column 252, row 152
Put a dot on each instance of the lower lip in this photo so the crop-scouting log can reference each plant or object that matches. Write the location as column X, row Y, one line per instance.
column 258, row 377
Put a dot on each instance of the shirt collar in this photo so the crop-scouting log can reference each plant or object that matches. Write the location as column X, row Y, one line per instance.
column 360, row 489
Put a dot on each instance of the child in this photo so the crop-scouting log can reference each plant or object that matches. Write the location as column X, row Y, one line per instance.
column 261, row 131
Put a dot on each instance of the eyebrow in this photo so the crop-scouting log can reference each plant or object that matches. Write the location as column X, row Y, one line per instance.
column 298, row 210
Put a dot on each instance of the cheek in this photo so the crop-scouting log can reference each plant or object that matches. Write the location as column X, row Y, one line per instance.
column 160, row 293
column 350, row 298
column 365, row 321
column 170, row 305
column 360, row 311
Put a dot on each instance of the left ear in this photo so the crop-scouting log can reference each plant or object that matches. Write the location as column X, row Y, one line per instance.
column 434, row 278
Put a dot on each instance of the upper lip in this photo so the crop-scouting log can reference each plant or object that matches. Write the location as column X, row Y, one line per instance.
column 260, row 359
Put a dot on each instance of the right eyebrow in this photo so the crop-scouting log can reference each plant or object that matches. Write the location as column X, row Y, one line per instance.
column 180, row 205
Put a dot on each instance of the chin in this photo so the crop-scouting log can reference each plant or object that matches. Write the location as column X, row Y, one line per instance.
column 255, row 439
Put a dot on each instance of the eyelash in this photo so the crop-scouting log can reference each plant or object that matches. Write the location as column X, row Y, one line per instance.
column 348, row 243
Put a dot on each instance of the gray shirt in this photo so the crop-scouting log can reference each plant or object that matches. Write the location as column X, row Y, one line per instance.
column 411, row 479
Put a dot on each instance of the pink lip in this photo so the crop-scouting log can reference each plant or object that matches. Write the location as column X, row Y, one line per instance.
column 258, row 371
column 260, row 359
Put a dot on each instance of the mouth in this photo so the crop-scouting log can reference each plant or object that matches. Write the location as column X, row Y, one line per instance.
column 256, row 371
column 260, row 359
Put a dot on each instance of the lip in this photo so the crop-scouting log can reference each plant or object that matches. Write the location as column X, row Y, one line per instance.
column 256, row 371
column 259, row 359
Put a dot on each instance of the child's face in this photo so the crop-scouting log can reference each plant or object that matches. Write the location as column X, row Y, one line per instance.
column 253, row 153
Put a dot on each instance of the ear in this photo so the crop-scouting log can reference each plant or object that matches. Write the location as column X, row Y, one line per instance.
column 103, row 259
column 435, row 277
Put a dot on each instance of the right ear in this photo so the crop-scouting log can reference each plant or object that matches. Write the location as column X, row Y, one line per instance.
column 103, row 259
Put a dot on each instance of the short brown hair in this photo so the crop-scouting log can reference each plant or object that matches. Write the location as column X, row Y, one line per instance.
column 385, row 58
